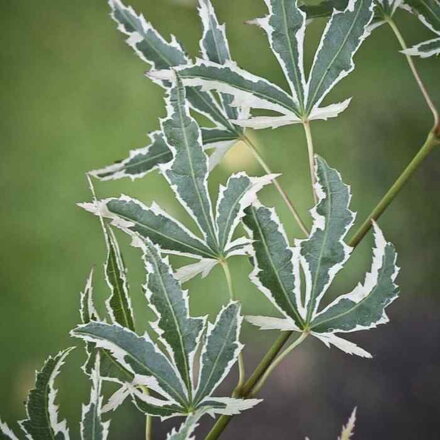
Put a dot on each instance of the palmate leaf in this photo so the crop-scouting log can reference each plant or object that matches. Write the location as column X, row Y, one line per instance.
column 285, row 27
column 42, row 413
column 151, row 369
column 42, row 422
column 320, row 257
column 139, row 355
column 92, row 426
column 187, row 174
column 161, row 54
column 169, row 373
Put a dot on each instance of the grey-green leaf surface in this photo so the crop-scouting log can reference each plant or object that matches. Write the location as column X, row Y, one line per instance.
column 220, row 350
column 140, row 161
column 109, row 368
column 428, row 12
column 187, row 173
column 137, row 354
column 119, row 303
column 42, row 413
column 324, row 252
column 274, row 272
column 324, row 8
column 177, row 329
column 364, row 307
column 248, row 90
column 426, row 49
column 342, row 37
column 163, row 410
column 92, row 425
column 134, row 217
column 186, row 430
column 214, row 46
column 240, row 191
column 285, row 26
column 152, row 48
column 87, row 307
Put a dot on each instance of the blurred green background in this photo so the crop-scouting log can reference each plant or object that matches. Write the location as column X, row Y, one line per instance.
column 75, row 98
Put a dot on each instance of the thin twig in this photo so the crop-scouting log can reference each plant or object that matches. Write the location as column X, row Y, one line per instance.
column 276, row 362
column 415, row 73
column 241, row 367
column 279, row 188
column 311, row 153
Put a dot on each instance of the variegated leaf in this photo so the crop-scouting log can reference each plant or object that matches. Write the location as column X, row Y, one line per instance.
column 119, row 303
column 324, row 252
column 138, row 355
column 6, row 433
column 214, row 46
column 427, row 11
column 109, row 368
column 143, row 160
column 240, row 192
column 228, row 406
column 140, row 161
column 248, row 89
column 187, row 173
column 364, row 307
column 348, row 429
column 324, row 8
column 186, row 430
column 285, row 27
column 424, row 50
column 154, row 407
column 152, row 48
column 92, row 426
column 133, row 217
column 275, row 273
column 178, row 331
column 220, row 350
column 87, row 307
column 320, row 257
column 42, row 413
column 342, row 37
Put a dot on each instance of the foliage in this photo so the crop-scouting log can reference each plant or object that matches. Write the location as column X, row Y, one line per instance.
column 176, row 367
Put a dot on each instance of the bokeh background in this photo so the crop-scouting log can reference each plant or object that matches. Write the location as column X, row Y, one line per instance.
column 74, row 98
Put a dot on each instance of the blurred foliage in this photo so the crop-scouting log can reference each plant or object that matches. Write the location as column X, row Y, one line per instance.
column 75, row 98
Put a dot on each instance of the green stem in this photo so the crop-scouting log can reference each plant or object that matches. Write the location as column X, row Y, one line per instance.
column 149, row 428
column 148, row 419
column 271, row 359
column 247, row 388
column 416, row 75
column 276, row 362
column 431, row 141
column 241, row 367
column 311, row 153
column 264, row 368
column 279, row 188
